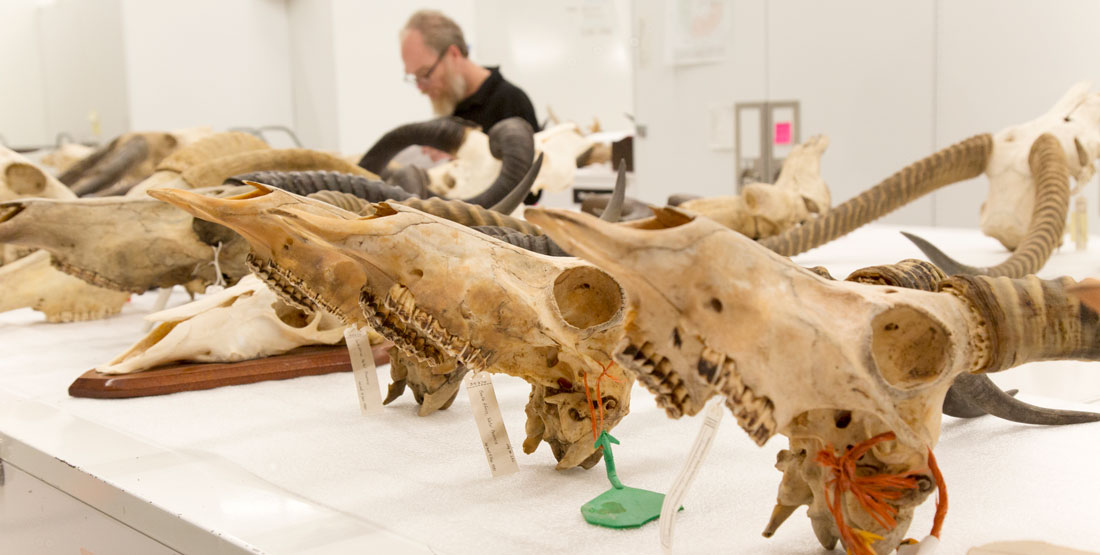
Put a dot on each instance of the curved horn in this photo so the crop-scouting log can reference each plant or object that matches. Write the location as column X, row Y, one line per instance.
column 541, row 244
column 512, row 141
column 111, row 167
column 909, row 273
column 469, row 214
column 77, row 170
column 1048, row 219
column 613, row 212
column 412, row 179
column 980, row 394
column 955, row 163
column 216, row 171
column 508, row 204
column 446, row 134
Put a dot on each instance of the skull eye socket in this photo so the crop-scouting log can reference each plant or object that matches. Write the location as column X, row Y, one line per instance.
column 586, row 297
column 908, row 346
column 716, row 305
column 575, row 415
column 25, row 179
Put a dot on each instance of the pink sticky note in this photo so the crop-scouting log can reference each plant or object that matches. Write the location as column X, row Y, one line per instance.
column 783, row 133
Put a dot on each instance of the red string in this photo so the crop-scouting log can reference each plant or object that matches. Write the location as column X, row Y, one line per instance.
column 596, row 411
column 941, row 501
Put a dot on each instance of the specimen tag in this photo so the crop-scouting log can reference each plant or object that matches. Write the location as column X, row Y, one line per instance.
column 362, row 367
column 494, row 438
column 699, row 450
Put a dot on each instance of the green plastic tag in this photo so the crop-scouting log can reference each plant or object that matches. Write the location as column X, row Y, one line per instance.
column 620, row 506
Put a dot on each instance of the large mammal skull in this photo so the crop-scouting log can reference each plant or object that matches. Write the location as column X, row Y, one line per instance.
column 32, row 282
column 125, row 244
column 764, row 210
column 828, row 364
column 243, row 322
column 1075, row 121
column 441, row 291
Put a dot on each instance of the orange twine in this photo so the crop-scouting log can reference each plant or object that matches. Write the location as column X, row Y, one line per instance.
column 596, row 411
column 872, row 492
column 941, row 501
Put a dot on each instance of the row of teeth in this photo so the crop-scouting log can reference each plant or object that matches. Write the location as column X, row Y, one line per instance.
column 93, row 278
column 290, row 289
column 655, row 373
column 755, row 414
column 392, row 327
column 400, row 302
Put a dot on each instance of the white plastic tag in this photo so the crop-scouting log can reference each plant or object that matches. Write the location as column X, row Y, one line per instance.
column 494, row 438
column 698, row 454
column 927, row 546
column 362, row 367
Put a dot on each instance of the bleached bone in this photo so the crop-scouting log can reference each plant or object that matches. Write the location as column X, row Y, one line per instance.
column 1075, row 121
column 21, row 178
column 442, row 292
column 825, row 363
column 243, row 322
column 32, row 282
column 763, row 210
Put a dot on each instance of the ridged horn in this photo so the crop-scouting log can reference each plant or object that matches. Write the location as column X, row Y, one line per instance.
column 512, row 141
column 1022, row 320
column 909, row 273
column 955, row 163
column 446, row 134
column 216, row 171
column 470, row 215
column 1048, row 218
column 309, row 182
column 412, row 179
column 214, row 146
column 113, row 166
column 976, row 394
column 541, row 244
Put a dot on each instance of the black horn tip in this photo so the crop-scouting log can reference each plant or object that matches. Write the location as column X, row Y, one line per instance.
column 949, row 266
column 982, row 394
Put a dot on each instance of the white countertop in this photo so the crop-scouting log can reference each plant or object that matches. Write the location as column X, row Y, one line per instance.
column 292, row 466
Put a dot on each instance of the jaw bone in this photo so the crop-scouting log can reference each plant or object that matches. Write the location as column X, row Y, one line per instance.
column 32, row 282
column 243, row 322
column 443, row 292
column 825, row 363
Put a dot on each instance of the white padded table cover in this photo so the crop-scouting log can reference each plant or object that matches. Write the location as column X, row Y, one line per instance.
column 292, row 467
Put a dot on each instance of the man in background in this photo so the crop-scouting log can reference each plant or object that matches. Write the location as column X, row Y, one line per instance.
column 436, row 60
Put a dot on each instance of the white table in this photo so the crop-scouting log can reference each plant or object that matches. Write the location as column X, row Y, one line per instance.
column 292, row 467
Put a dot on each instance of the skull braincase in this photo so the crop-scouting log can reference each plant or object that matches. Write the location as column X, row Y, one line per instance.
column 243, row 322
column 823, row 362
column 1075, row 121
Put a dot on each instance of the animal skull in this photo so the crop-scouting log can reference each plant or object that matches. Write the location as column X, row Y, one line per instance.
column 441, row 291
column 1075, row 121
column 126, row 244
column 32, row 282
column 825, row 363
column 243, row 322
column 764, row 210
column 20, row 178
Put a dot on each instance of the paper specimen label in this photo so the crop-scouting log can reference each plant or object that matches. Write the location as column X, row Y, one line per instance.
column 494, row 438
column 362, row 368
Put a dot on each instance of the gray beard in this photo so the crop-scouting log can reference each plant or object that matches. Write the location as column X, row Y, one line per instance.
column 444, row 104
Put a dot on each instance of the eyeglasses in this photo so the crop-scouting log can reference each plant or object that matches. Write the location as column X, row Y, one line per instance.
column 413, row 79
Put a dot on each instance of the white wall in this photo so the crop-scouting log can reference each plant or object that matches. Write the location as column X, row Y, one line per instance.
column 371, row 95
column 82, row 68
column 313, row 73
column 1003, row 62
column 207, row 62
column 889, row 82
column 572, row 56
column 22, row 108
